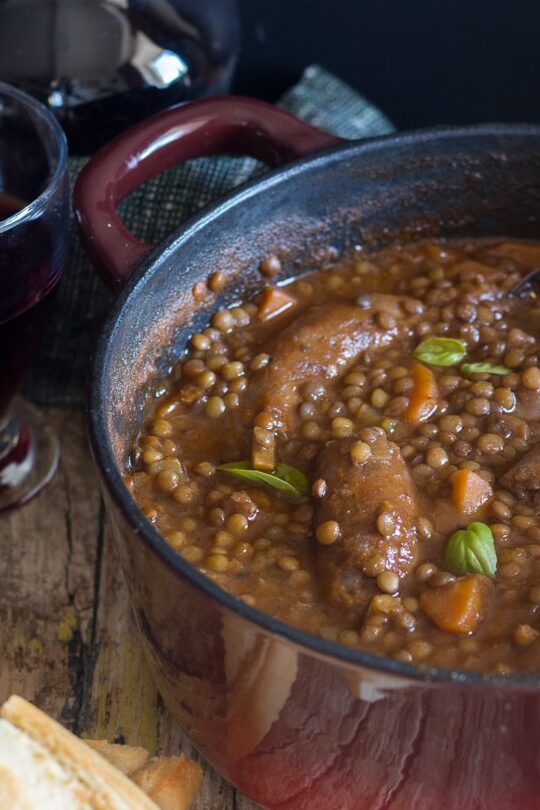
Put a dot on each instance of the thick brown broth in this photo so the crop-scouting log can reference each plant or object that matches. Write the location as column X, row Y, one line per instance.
column 399, row 454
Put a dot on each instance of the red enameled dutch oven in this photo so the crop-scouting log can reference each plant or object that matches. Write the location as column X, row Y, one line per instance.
column 295, row 722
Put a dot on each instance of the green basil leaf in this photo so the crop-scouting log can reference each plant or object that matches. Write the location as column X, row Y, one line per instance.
column 440, row 351
column 472, row 551
column 285, row 479
column 294, row 477
column 484, row 368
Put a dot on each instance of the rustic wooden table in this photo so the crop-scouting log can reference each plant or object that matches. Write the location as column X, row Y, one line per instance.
column 67, row 639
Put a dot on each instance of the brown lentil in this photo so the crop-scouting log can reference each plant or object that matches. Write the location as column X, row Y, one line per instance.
column 224, row 321
column 288, row 563
column 425, row 571
column 440, row 578
column 525, row 635
column 217, row 562
column 436, row 457
column 388, row 582
column 185, row 493
column 237, row 523
column 260, row 361
column 490, row 443
column 151, row 455
column 424, row 528
column 360, row 452
column 530, row 378
column 167, row 480
column 318, row 488
column 217, row 281
column 328, row 532
column 342, row 427
column 270, row 266
column 379, row 398
column 192, row 554
column 385, row 523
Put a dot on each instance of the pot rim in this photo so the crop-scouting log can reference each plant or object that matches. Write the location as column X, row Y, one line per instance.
column 104, row 455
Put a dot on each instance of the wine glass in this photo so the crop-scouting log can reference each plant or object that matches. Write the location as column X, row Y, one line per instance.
column 101, row 65
column 34, row 220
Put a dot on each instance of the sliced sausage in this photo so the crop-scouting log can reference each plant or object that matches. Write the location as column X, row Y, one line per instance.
column 528, row 405
column 364, row 498
column 524, row 475
column 323, row 342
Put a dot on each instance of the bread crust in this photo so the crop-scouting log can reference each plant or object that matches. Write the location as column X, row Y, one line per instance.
column 127, row 758
column 110, row 789
column 171, row 782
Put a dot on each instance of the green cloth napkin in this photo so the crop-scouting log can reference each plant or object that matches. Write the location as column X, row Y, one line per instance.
column 153, row 211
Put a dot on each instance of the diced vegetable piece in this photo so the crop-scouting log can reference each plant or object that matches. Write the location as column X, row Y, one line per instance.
column 263, row 450
column 460, row 606
column 274, row 301
column 469, row 492
column 424, row 395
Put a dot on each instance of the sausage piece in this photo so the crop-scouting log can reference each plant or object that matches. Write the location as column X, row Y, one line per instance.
column 322, row 343
column 357, row 494
column 527, row 405
column 524, row 475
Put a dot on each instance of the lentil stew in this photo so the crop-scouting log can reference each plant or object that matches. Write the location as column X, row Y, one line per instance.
column 357, row 452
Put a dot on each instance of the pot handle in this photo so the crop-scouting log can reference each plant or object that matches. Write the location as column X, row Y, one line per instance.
column 233, row 125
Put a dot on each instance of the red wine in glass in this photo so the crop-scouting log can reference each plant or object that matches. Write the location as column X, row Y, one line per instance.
column 34, row 217
column 9, row 204
column 21, row 333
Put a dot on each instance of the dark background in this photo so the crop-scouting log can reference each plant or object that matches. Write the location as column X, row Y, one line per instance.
column 423, row 62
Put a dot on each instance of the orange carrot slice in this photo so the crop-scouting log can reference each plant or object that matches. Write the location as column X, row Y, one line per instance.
column 424, row 395
column 274, row 301
column 469, row 492
column 460, row 606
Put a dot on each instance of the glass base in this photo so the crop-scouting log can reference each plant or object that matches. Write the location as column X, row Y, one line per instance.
column 32, row 459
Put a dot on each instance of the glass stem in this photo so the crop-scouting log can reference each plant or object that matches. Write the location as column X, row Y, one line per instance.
column 16, row 451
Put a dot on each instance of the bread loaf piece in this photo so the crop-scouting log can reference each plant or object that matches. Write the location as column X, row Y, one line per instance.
column 45, row 767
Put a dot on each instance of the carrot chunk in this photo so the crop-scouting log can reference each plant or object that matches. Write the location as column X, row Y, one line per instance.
column 424, row 395
column 469, row 491
column 274, row 301
column 460, row 606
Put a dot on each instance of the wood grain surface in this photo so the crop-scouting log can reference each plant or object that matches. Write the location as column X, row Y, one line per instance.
column 66, row 634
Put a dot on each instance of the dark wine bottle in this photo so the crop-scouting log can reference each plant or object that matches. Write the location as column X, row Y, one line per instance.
column 102, row 65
